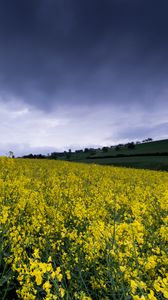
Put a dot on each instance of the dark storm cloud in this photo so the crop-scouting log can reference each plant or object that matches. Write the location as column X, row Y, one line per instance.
column 86, row 51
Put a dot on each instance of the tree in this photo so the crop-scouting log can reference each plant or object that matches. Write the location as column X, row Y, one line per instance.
column 79, row 151
column 105, row 149
column 68, row 154
column 11, row 154
column 131, row 145
column 147, row 140
column 53, row 155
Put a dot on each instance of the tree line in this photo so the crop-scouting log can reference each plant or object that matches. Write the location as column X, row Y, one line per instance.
column 90, row 151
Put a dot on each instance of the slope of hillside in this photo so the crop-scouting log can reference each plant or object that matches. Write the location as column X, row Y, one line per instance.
column 150, row 155
column 154, row 147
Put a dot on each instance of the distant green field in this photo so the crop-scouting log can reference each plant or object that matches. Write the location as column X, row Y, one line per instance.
column 154, row 156
column 144, row 162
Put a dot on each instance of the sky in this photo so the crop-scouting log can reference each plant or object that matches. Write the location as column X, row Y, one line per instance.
column 76, row 74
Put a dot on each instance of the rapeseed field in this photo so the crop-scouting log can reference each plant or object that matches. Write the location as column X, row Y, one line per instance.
column 75, row 231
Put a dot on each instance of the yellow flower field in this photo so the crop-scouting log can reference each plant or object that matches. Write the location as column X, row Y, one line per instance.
column 75, row 231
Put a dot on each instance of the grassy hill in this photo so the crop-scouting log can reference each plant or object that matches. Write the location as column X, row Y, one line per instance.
column 149, row 155
column 146, row 155
column 155, row 147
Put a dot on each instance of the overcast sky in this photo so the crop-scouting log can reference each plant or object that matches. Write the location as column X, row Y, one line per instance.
column 77, row 73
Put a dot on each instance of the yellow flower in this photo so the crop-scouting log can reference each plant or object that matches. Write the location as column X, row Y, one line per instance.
column 68, row 274
column 57, row 274
column 38, row 276
column 49, row 259
column 151, row 263
column 136, row 297
column 151, row 295
column 47, row 286
column 83, row 216
column 133, row 286
column 36, row 253
column 165, row 293
column 122, row 268
column 62, row 292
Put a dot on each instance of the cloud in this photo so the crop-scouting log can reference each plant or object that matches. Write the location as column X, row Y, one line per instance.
column 78, row 73
column 85, row 52
column 27, row 130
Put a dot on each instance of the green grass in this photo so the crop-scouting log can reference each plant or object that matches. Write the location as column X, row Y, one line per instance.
column 144, row 162
column 155, row 159
column 144, row 148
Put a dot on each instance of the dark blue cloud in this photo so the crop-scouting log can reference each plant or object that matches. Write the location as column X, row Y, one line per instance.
column 84, row 52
